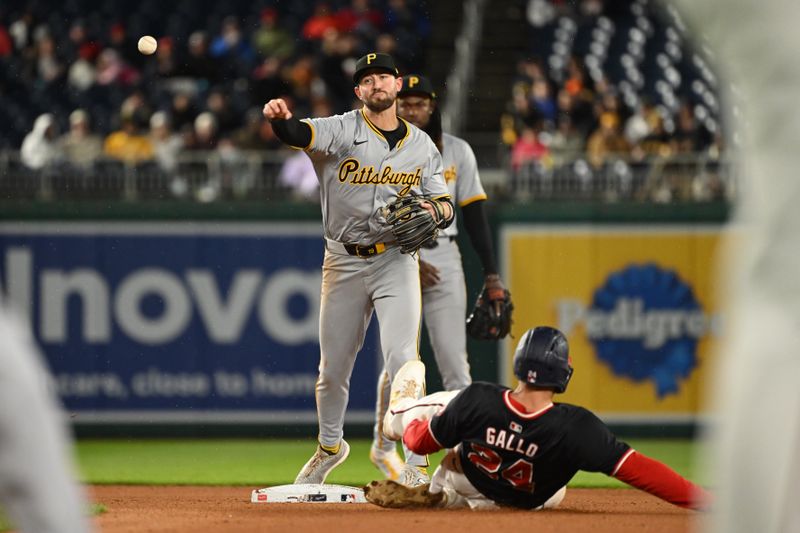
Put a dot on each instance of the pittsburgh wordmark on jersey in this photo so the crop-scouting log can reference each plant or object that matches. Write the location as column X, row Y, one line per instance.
column 511, row 442
column 353, row 172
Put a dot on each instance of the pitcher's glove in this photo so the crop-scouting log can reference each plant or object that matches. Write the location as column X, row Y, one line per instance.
column 491, row 317
column 412, row 225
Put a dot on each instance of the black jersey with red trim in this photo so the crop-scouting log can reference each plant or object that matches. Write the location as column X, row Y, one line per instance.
column 521, row 459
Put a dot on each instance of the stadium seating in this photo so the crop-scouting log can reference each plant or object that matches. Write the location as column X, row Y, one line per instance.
column 106, row 24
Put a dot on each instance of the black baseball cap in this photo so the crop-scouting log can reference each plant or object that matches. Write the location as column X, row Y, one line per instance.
column 377, row 61
column 417, row 84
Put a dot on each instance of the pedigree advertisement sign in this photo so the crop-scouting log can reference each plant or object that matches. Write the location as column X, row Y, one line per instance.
column 637, row 303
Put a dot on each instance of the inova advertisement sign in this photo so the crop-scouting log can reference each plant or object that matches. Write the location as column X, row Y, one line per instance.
column 176, row 321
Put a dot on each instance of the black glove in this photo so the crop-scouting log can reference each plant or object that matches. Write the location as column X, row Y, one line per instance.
column 412, row 225
column 491, row 317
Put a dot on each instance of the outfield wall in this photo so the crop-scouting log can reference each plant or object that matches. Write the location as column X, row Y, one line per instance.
column 205, row 316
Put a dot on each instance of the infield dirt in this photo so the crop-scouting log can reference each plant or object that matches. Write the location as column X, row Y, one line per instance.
column 221, row 509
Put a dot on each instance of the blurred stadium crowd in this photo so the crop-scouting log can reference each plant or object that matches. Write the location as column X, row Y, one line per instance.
column 76, row 89
column 606, row 92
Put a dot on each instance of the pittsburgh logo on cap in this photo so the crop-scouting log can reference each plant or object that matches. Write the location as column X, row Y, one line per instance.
column 371, row 58
column 413, row 80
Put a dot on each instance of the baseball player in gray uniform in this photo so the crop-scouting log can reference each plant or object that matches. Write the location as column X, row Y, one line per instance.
column 444, row 298
column 364, row 159
column 38, row 492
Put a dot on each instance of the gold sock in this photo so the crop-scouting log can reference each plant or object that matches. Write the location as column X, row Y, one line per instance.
column 331, row 450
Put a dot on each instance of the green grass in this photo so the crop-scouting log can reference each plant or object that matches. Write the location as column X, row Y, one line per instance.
column 96, row 509
column 260, row 463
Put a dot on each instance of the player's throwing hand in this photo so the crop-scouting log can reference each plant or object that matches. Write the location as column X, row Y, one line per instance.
column 277, row 109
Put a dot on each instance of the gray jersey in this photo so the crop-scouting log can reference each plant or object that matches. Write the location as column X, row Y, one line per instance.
column 359, row 174
column 460, row 174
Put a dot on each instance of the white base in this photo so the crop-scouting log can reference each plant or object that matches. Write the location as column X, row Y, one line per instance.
column 308, row 493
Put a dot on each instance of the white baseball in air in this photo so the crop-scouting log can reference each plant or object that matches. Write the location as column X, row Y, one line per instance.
column 147, row 45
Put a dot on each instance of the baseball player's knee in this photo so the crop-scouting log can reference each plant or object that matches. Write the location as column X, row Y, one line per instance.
column 332, row 377
column 441, row 398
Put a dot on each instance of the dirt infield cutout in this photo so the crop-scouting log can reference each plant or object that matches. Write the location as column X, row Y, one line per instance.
column 221, row 509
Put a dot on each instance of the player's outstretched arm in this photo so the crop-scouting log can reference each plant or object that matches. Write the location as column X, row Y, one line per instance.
column 287, row 128
column 649, row 475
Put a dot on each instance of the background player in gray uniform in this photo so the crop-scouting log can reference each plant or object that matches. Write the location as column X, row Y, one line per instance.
column 514, row 447
column 37, row 490
column 444, row 298
column 364, row 159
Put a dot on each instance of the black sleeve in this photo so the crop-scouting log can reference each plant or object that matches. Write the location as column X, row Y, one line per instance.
column 598, row 449
column 293, row 132
column 477, row 226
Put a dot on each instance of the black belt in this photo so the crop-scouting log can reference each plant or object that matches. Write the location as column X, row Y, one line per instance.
column 433, row 244
column 365, row 251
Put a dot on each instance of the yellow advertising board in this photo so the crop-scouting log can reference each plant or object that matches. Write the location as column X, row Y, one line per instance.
column 637, row 303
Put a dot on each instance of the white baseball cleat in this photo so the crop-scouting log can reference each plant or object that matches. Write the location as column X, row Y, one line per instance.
column 407, row 384
column 321, row 463
column 388, row 462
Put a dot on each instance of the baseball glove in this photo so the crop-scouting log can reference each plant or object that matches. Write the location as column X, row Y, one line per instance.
column 491, row 317
column 412, row 225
